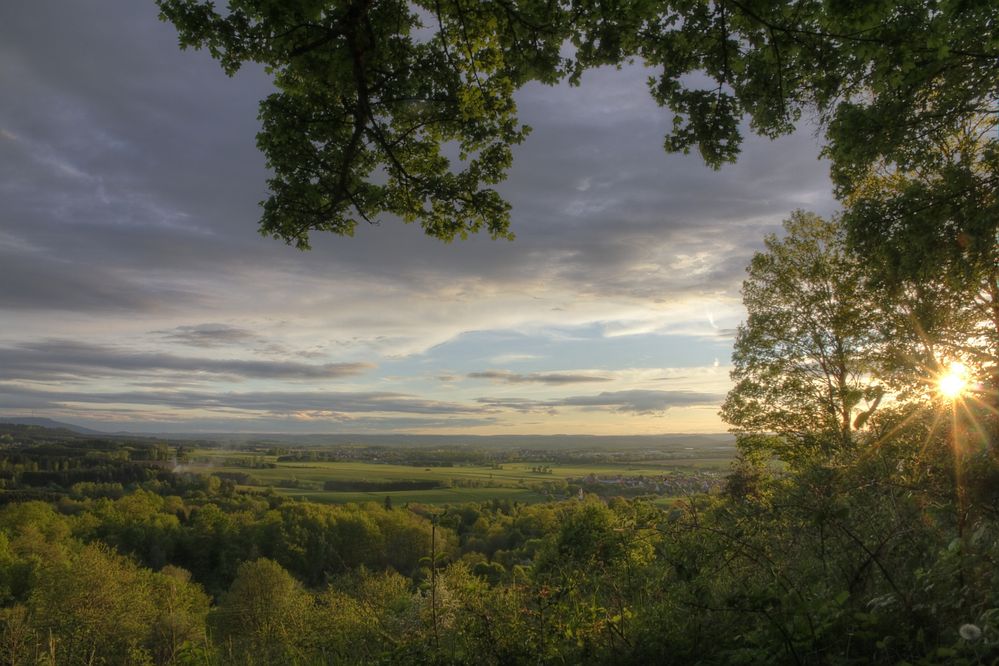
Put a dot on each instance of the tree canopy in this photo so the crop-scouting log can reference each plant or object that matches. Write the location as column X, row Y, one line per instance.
column 805, row 359
column 931, row 234
column 408, row 107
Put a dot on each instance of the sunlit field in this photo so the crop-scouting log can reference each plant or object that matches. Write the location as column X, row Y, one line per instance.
column 468, row 483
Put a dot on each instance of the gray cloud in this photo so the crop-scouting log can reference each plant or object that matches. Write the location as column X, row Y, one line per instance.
column 329, row 404
column 262, row 424
column 130, row 190
column 209, row 335
column 52, row 359
column 638, row 401
column 36, row 281
column 150, row 165
column 642, row 401
column 522, row 405
column 551, row 378
column 334, row 405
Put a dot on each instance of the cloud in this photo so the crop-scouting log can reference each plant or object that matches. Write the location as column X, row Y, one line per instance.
column 209, row 335
column 646, row 226
column 503, row 359
column 331, row 404
column 643, row 401
column 263, row 424
column 53, row 359
column 35, row 281
column 553, row 378
column 130, row 205
column 394, row 423
column 341, row 405
column 522, row 405
column 636, row 401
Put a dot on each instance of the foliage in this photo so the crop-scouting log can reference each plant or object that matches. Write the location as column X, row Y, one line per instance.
column 96, row 607
column 370, row 93
column 875, row 543
column 263, row 616
column 931, row 231
column 806, row 358
column 367, row 100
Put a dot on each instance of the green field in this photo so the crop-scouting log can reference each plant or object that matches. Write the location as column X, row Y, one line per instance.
column 401, row 497
column 463, row 483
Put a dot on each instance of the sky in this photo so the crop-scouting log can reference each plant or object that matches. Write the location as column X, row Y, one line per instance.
column 137, row 295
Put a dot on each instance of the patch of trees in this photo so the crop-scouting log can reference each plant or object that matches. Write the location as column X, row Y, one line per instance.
column 44, row 463
column 124, row 474
column 249, row 462
column 240, row 478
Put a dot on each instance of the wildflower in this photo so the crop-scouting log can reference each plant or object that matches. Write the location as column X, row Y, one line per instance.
column 970, row 632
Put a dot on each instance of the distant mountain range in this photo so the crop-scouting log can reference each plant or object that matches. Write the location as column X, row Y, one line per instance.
column 48, row 423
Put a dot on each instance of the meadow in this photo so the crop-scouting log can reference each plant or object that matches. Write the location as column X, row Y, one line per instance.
column 526, row 482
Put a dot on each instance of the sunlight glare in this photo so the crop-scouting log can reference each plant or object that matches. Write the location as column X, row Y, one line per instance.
column 954, row 381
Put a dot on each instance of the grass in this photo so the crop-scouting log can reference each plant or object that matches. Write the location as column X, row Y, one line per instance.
column 513, row 481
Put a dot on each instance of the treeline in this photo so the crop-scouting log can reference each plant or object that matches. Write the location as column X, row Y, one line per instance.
column 44, row 442
column 37, row 462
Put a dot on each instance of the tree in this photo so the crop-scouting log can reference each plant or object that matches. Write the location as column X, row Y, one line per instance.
column 932, row 232
column 364, row 614
column 369, row 92
column 182, row 608
column 804, row 358
column 97, row 607
column 364, row 107
column 264, row 614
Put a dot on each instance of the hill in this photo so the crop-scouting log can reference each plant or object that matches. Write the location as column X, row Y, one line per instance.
column 48, row 423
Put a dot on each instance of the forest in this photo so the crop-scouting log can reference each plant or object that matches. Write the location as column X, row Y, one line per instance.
column 859, row 523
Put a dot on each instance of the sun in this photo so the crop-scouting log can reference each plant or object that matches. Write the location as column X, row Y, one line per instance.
column 954, row 381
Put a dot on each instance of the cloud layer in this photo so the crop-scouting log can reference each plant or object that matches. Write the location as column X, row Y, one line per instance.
column 636, row 401
column 55, row 359
column 130, row 262
column 551, row 378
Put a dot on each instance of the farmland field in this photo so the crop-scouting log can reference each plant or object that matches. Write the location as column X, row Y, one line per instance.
column 332, row 481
